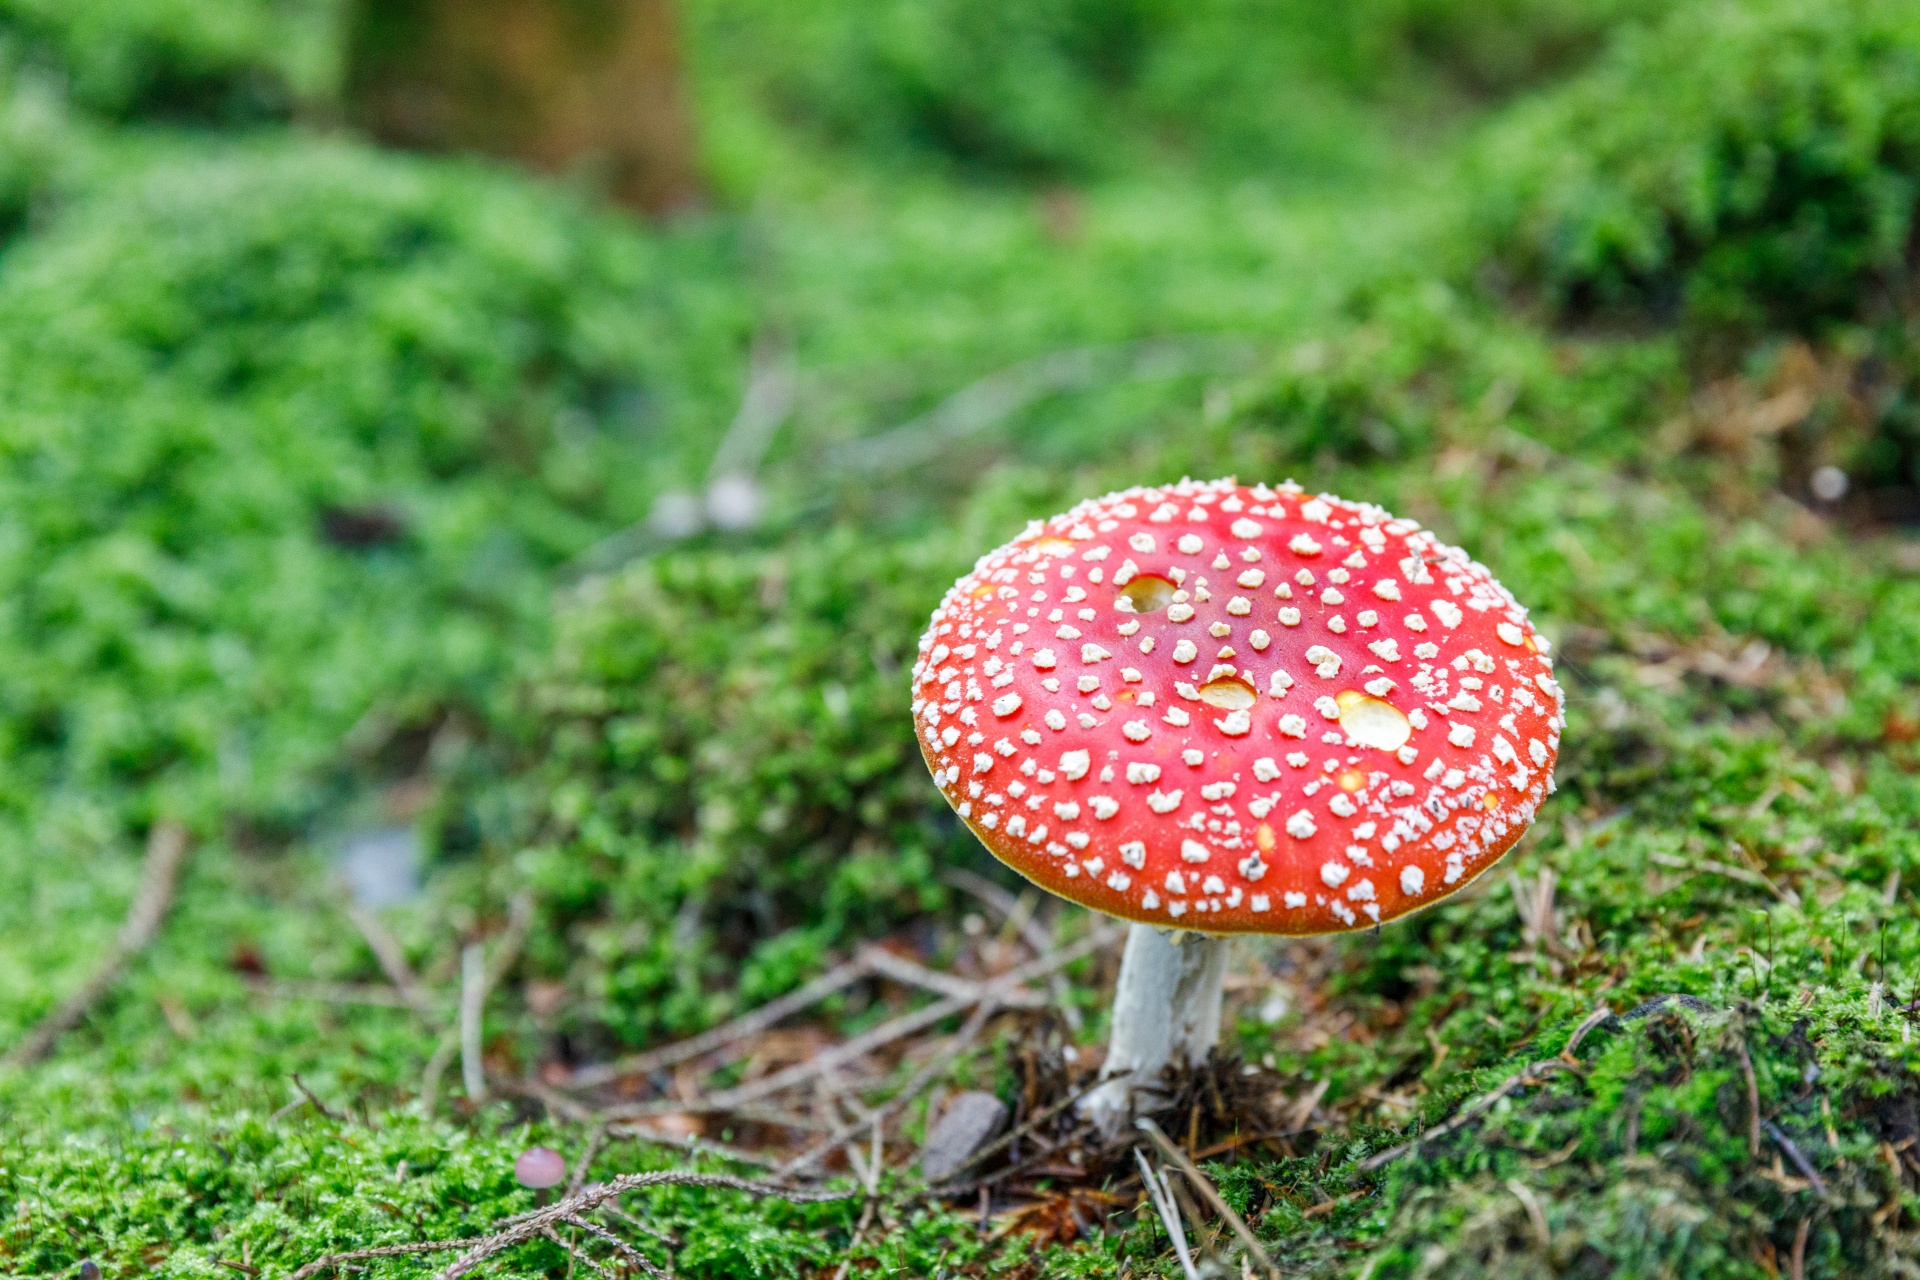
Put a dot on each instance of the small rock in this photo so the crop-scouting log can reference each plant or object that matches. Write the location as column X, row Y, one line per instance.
column 970, row 1122
column 382, row 866
column 540, row 1168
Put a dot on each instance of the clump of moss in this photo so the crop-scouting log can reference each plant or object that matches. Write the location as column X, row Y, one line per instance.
column 721, row 783
column 306, row 429
column 213, row 61
column 1752, row 166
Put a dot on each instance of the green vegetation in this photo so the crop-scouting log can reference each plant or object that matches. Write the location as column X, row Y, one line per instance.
column 324, row 481
column 294, row 433
column 228, row 61
column 1751, row 165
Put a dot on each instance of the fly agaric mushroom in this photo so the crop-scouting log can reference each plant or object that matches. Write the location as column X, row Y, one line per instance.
column 1212, row 709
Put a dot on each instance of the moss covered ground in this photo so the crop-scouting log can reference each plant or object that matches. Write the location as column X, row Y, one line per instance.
column 327, row 475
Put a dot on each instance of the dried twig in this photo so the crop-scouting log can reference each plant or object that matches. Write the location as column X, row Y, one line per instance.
column 1746, row 875
column 748, row 1024
column 928, row 1073
column 575, row 1251
column 437, row 1066
column 1599, row 1015
column 1002, row 904
column 524, row 1227
column 473, row 1004
column 1466, row 1114
column 393, row 961
column 595, row 1140
column 1753, row 1098
column 385, row 1251
column 313, row 1099
column 1797, row 1157
column 983, row 405
column 870, row 1180
column 473, row 1000
column 1161, row 1197
column 621, row 1247
column 1301, row 1112
column 1208, row 1192
column 166, row 849
column 900, row 969
column 832, row 1059
column 370, row 993
column 506, row 954
column 1032, row 932
column 1536, row 1212
column 699, row 1146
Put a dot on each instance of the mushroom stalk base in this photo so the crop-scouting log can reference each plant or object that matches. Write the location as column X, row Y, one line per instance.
column 1166, row 1012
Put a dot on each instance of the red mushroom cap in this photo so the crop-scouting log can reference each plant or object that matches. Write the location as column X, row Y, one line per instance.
column 1238, row 710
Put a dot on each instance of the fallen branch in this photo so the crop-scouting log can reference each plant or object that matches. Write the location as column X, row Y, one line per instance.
column 524, row 1227
column 166, row 848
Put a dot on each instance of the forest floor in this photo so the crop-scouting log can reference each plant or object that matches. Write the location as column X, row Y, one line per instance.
column 674, row 897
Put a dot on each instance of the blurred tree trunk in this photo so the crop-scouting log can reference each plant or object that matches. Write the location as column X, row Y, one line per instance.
column 563, row 85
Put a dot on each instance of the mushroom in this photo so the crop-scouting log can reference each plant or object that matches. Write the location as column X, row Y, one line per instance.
column 1213, row 709
column 540, row 1168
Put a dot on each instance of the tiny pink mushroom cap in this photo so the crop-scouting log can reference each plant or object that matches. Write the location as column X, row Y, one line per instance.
column 540, row 1168
column 1238, row 710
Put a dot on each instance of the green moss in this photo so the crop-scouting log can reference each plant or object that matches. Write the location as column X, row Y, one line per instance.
column 215, row 61
column 723, row 783
column 306, row 429
column 225, row 363
column 1750, row 164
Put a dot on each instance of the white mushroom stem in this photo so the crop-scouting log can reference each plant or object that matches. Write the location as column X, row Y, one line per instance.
column 1166, row 1012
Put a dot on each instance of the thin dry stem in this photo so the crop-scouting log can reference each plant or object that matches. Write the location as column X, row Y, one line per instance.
column 1208, row 1192
column 393, row 962
column 836, row 979
column 159, row 874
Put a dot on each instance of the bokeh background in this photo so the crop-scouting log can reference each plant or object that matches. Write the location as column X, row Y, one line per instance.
column 485, row 463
